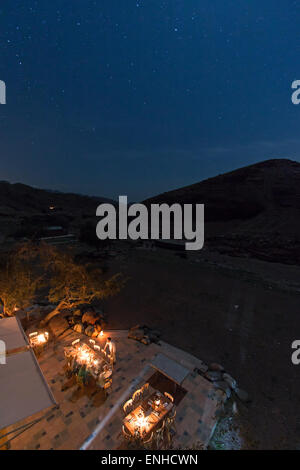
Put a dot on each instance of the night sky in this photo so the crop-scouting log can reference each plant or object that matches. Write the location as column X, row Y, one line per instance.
column 138, row 97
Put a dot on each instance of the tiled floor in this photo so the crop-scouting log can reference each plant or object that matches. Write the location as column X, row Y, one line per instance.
column 68, row 426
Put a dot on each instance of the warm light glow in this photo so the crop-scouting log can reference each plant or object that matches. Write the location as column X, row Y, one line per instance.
column 142, row 422
column 85, row 355
column 101, row 333
column 41, row 338
column 37, row 339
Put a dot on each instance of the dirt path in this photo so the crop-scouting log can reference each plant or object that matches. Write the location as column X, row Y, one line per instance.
column 242, row 324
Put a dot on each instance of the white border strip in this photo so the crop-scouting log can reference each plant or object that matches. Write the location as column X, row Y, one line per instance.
column 110, row 414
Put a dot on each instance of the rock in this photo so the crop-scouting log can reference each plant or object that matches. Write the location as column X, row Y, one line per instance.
column 216, row 367
column 65, row 313
column 213, row 376
column 222, row 385
column 136, row 333
column 242, row 395
column 89, row 330
column 34, row 307
column 32, row 312
column 89, row 317
column 77, row 313
column 230, row 380
column 79, row 328
column 21, row 314
column 152, row 337
column 58, row 325
column 97, row 328
column 145, row 340
column 201, row 369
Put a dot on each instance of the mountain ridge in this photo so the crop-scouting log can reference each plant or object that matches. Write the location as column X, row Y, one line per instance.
column 252, row 211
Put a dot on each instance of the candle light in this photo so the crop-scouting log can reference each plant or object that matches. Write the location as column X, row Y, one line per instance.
column 38, row 339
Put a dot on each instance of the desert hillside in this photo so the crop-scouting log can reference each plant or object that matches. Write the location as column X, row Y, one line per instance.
column 17, row 198
column 22, row 206
column 253, row 211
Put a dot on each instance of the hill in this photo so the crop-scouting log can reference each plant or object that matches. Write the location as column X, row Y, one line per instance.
column 253, row 211
column 22, row 206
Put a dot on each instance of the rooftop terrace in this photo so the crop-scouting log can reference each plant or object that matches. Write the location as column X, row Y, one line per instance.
column 72, row 422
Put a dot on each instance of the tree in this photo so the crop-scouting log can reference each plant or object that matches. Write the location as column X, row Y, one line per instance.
column 28, row 268
column 19, row 278
column 73, row 284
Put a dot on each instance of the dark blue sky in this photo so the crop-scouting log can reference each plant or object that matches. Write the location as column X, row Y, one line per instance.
column 137, row 97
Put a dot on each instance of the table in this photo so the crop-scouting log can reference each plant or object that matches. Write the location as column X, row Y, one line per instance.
column 38, row 339
column 144, row 419
column 82, row 354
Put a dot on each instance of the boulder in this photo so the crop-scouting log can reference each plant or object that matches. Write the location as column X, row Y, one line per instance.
column 145, row 340
column 136, row 333
column 213, row 376
column 102, row 323
column 89, row 330
column 34, row 308
column 97, row 327
column 90, row 317
column 153, row 337
column 58, row 325
column 216, row 367
column 242, row 395
column 222, row 385
column 64, row 313
column 79, row 328
column 230, row 380
column 156, row 332
column 201, row 369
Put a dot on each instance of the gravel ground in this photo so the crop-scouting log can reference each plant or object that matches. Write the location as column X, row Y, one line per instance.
column 229, row 317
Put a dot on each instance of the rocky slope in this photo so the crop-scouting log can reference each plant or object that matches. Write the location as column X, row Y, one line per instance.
column 22, row 205
column 253, row 211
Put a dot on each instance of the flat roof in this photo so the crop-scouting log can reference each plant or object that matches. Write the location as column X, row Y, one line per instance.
column 11, row 332
column 24, row 390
